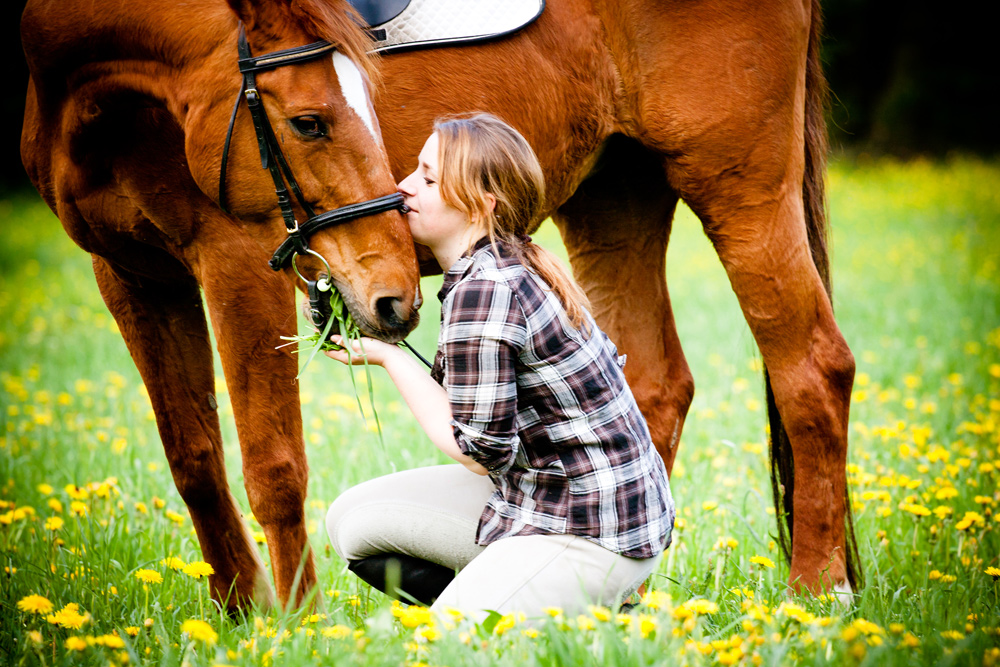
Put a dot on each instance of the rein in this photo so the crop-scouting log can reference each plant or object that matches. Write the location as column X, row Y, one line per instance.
column 273, row 160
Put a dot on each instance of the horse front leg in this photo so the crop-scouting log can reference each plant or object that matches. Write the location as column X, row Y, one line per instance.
column 616, row 227
column 165, row 330
column 251, row 307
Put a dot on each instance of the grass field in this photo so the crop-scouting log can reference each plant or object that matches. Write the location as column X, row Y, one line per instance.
column 89, row 515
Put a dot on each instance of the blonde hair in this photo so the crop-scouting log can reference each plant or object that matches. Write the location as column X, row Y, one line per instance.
column 479, row 154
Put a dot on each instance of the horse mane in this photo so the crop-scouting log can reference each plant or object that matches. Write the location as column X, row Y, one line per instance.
column 338, row 22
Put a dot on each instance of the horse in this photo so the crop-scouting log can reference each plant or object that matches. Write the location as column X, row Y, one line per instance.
column 631, row 107
column 124, row 136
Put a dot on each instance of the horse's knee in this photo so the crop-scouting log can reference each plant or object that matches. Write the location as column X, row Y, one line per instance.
column 276, row 488
column 199, row 474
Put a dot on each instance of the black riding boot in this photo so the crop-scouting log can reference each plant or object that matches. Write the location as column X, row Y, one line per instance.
column 403, row 577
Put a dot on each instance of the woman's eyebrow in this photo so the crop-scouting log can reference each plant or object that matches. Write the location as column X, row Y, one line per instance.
column 427, row 168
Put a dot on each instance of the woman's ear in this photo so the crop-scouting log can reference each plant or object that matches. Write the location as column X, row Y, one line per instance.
column 491, row 202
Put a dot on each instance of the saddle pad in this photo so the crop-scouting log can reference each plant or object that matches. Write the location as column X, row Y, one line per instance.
column 445, row 22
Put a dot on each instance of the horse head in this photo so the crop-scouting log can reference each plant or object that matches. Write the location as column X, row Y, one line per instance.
column 324, row 126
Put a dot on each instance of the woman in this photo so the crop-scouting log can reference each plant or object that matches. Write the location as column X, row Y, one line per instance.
column 561, row 499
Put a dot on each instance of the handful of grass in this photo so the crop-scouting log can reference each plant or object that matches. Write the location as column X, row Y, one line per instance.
column 349, row 331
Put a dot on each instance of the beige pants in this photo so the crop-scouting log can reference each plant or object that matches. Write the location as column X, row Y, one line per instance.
column 433, row 513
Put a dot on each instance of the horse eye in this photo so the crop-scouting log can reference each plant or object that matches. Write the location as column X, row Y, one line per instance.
column 309, row 126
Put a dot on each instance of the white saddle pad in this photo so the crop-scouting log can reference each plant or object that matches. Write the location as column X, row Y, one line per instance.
column 440, row 22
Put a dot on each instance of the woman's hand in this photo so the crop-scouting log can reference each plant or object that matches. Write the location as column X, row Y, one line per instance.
column 375, row 352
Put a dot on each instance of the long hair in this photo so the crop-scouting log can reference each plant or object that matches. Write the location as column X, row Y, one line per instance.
column 479, row 154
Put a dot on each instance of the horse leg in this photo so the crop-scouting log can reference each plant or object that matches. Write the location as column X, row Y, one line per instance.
column 616, row 227
column 759, row 232
column 251, row 306
column 165, row 330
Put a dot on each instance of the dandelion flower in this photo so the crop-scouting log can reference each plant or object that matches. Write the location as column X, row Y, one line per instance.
column 149, row 576
column 199, row 631
column 174, row 516
column 415, row 615
column 198, row 569
column 174, row 563
column 45, row 489
column 993, row 572
column 53, row 523
column 132, row 631
column 78, row 508
column 916, row 510
column 34, row 604
column 656, row 599
column 69, row 617
column 762, row 560
column 337, row 632
column 76, row 644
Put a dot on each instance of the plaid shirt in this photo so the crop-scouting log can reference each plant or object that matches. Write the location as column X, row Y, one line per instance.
column 547, row 411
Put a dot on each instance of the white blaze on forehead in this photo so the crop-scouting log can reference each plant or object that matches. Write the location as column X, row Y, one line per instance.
column 352, row 85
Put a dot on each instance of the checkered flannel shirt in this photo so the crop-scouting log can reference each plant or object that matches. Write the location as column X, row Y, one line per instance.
column 547, row 411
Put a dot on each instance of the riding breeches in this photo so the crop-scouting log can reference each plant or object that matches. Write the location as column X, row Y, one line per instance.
column 429, row 516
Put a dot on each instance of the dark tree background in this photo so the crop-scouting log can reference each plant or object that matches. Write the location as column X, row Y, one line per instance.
column 907, row 78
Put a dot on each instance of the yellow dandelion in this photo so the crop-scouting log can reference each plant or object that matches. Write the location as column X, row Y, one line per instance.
column 174, row 516
column 198, row 569
column 415, row 615
column 132, row 631
column 656, row 599
column 602, row 614
column 78, row 508
column 916, row 510
column 45, row 489
column 946, row 493
column 337, row 632
column 174, row 563
column 704, row 607
column 53, row 523
column 109, row 641
column 69, row 617
column 76, row 644
column 762, row 560
column 993, row 572
column 553, row 611
column 647, row 625
column 199, row 631
column 34, row 604
column 76, row 492
column 149, row 576
column 141, row 508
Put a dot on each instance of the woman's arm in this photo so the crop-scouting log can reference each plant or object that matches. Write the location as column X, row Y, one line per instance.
column 426, row 398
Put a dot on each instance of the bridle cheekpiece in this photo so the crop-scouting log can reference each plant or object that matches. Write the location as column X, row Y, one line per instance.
column 273, row 160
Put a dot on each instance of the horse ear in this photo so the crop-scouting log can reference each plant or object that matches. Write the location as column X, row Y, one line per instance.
column 246, row 10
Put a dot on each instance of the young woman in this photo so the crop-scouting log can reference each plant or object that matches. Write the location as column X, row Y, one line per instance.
column 560, row 499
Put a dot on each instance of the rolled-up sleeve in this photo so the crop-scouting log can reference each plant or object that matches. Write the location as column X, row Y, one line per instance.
column 482, row 335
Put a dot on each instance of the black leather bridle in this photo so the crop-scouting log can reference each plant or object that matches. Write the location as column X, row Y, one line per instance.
column 272, row 159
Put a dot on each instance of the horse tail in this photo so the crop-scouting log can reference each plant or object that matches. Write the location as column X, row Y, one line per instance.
column 814, row 201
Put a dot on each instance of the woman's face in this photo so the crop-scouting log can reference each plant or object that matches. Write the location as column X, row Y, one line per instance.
column 433, row 222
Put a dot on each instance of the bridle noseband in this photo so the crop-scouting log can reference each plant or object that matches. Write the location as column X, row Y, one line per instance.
column 273, row 160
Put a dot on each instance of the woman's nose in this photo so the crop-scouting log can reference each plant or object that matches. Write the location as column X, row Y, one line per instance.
column 404, row 186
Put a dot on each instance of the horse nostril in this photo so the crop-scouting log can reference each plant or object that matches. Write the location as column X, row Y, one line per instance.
column 392, row 311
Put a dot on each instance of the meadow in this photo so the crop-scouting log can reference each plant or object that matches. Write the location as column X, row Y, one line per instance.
column 100, row 565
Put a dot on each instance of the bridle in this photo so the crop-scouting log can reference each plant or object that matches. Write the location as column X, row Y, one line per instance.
column 273, row 160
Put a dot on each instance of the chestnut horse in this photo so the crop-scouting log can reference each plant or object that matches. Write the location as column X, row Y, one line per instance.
column 631, row 106
column 126, row 117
